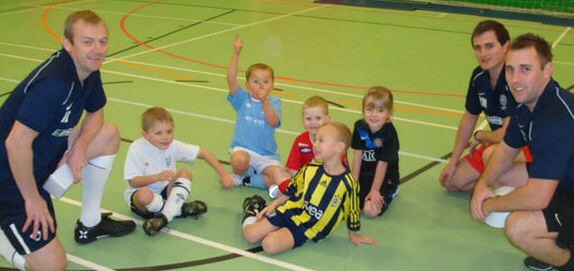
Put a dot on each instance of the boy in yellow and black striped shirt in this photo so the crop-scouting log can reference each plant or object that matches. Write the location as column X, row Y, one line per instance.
column 318, row 198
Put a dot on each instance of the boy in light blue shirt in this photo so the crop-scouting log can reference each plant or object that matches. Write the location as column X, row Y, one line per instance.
column 254, row 156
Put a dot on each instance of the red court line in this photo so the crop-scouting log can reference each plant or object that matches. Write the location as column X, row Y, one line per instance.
column 279, row 78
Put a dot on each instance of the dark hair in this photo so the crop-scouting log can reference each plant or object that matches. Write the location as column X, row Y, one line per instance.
column 542, row 47
column 501, row 33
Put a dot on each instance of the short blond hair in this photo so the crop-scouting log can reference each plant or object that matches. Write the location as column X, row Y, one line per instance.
column 343, row 132
column 316, row 101
column 87, row 16
column 382, row 98
column 154, row 115
column 259, row 66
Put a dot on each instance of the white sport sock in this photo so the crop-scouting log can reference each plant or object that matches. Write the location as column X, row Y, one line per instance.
column 96, row 175
column 178, row 195
column 249, row 220
column 8, row 251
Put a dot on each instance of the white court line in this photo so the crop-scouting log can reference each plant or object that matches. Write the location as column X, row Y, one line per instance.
column 86, row 263
column 231, row 121
column 202, row 241
column 560, row 37
column 563, row 63
column 320, row 90
column 419, row 156
column 220, row 32
column 278, row 84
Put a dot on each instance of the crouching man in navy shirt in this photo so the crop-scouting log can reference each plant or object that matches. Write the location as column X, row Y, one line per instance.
column 39, row 132
column 542, row 211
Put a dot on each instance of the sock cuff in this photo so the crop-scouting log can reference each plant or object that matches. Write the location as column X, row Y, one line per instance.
column 183, row 183
column 156, row 204
column 104, row 161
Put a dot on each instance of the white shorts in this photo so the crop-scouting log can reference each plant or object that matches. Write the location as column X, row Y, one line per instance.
column 258, row 162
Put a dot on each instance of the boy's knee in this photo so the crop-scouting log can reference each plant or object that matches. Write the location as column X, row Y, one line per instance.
column 185, row 173
column 144, row 196
column 270, row 246
column 250, row 235
column 371, row 211
column 240, row 162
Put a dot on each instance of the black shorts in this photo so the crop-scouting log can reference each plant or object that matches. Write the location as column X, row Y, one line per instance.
column 389, row 190
column 559, row 214
column 279, row 219
column 12, row 219
column 147, row 215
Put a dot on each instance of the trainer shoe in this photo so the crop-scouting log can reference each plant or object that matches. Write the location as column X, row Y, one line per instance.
column 193, row 209
column 153, row 226
column 106, row 228
column 252, row 206
column 534, row 264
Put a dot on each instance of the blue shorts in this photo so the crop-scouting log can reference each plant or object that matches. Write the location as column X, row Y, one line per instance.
column 12, row 219
column 280, row 220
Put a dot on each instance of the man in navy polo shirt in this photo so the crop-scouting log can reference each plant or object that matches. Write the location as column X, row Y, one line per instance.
column 488, row 93
column 542, row 211
column 38, row 132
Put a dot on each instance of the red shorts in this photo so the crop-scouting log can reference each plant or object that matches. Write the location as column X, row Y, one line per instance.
column 476, row 161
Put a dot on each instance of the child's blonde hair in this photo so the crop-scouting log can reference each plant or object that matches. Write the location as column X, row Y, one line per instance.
column 343, row 132
column 154, row 115
column 259, row 66
column 316, row 101
column 382, row 98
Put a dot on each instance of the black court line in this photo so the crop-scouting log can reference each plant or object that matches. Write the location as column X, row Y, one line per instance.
column 174, row 265
column 172, row 32
column 278, row 89
column 335, row 104
column 193, row 81
column 192, row 263
column 117, row 82
column 323, row 18
column 127, row 140
column 5, row 93
column 423, row 169
column 568, row 89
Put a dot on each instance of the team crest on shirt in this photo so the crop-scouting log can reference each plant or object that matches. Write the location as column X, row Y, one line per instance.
column 483, row 102
column 323, row 183
column 167, row 161
column 378, row 142
column 503, row 101
column 336, row 201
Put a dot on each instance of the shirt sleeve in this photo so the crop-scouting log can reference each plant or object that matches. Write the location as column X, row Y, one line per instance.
column 551, row 160
column 97, row 98
column 42, row 101
column 294, row 159
column 297, row 184
column 352, row 208
column 472, row 104
column 390, row 151
column 356, row 141
column 237, row 99
column 185, row 152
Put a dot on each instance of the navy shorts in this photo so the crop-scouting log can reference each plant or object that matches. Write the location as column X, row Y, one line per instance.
column 280, row 220
column 389, row 190
column 13, row 217
column 559, row 214
column 147, row 215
